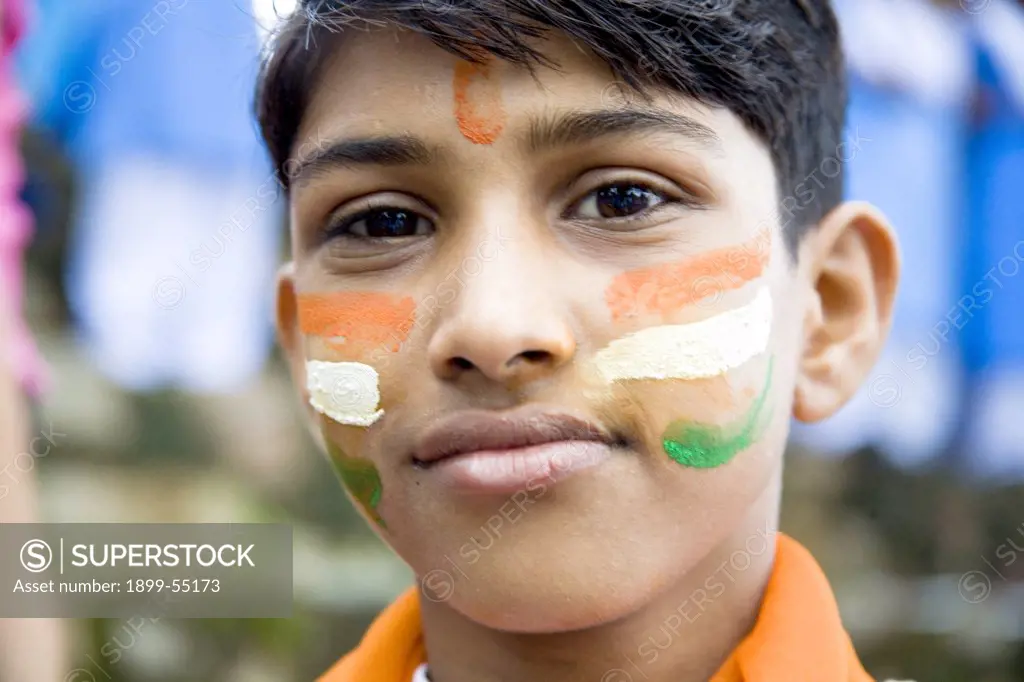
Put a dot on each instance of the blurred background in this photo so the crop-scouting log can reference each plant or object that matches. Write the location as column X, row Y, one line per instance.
column 148, row 292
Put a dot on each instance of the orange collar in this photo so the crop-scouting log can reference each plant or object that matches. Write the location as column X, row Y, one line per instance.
column 798, row 636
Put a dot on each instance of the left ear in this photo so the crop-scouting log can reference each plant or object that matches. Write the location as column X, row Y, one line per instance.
column 852, row 265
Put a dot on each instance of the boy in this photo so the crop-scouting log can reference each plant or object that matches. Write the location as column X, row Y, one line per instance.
column 561, row 273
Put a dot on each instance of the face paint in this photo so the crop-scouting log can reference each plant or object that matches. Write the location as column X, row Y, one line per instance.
column 361, row 478
column 347, row 392
column 705, row 446
column 669, row 287
column 479, row 110
column 357, row 321
column 691, row 351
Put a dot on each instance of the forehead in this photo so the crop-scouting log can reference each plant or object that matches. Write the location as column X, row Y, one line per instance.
column 398, row 82
column 393, row 75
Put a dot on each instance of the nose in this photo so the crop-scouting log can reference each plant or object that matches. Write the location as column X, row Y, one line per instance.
column 505, row 326
column 506, row 356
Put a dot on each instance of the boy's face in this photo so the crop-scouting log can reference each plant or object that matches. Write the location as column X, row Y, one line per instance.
column 510, row 260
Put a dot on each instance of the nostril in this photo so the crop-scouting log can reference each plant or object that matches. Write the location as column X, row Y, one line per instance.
column 461, row 363
column 533, row 357
column 521, row 366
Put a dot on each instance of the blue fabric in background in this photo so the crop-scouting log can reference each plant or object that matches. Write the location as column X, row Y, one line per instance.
column 59, row 44
column 911, row 168
column 994, row 258
column 172, row 79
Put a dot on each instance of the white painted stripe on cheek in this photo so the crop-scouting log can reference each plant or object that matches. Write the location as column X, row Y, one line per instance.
column 691, row 351
column 347, row 392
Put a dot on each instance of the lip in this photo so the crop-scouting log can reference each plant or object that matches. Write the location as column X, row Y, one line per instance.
column 506, row 451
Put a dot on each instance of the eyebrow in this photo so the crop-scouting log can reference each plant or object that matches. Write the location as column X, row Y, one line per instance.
column 543, row 133
column 580, row 127
column 400, row 150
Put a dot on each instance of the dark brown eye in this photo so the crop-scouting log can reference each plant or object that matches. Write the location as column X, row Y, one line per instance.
column 391, row 223
column 384, row 223
column 619, row 201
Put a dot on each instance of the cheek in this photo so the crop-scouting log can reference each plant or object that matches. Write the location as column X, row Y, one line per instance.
column 712, row 396
column 357, row 334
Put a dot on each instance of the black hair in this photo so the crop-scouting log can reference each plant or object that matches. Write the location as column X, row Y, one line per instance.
column 776, row 64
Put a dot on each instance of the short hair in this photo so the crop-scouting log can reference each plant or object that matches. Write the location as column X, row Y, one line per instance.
column 776, row 64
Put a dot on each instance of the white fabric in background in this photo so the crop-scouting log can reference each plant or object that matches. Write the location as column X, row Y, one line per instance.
column 910, row 44
column 172, row 275
column 421, row 674
column 995, row 438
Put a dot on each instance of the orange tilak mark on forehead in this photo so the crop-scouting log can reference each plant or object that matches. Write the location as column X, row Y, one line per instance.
column 479, row 110
column 357, row 321
column 668, row 287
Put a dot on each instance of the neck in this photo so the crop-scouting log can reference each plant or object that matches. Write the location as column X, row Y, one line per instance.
column 683, row 635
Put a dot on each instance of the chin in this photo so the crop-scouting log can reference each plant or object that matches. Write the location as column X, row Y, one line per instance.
column 555, row 591
column 556, row 572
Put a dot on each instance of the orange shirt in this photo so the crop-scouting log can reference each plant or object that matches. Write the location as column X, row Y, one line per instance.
column 798, row 636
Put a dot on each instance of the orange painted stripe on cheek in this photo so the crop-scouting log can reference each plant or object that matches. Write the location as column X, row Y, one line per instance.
column 668, row 287
column 361, row 320
column 479, row 110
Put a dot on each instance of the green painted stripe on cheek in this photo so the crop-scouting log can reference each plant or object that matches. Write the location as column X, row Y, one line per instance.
column 361, row 478
column 705, row 446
